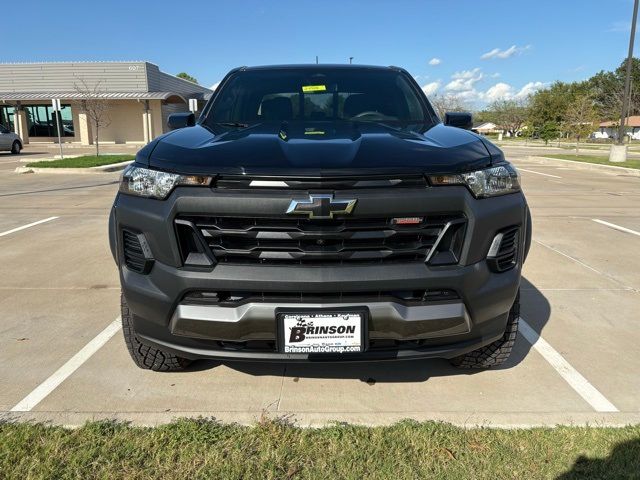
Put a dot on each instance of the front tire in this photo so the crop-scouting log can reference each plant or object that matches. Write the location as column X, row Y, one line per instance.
column 144, row 356
column 497, row 352
column 16, row 147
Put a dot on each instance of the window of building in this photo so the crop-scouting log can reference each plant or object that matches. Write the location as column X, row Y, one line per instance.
column 6, row 117
column 41, row 121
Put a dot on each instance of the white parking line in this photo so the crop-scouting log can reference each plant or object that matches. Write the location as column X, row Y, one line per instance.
column 538, row 173
column 616, row 227
column 580, row 384
column 17, row 229
column 60, row 375
column 580, row 262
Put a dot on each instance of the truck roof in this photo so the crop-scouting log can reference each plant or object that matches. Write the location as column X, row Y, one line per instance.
column 319, row 66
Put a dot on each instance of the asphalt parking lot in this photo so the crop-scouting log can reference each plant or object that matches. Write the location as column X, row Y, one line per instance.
column 62, row 357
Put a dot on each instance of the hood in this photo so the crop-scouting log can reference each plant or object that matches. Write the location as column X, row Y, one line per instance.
column 317, row 148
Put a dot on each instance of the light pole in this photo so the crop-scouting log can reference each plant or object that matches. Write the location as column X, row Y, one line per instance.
column 619, row 151
column 350, row 60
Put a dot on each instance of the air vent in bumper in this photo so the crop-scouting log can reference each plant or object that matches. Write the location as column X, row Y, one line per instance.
column 503, row 254
column 136, row 252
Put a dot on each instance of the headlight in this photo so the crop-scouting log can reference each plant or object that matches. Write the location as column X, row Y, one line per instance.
column 145, row 182
column 484, row 183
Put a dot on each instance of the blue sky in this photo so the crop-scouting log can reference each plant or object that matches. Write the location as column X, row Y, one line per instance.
column 482, row 50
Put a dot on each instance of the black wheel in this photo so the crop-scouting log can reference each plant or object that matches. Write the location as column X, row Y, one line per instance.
column 497, row 352
column 144, row 356
column 16, row 147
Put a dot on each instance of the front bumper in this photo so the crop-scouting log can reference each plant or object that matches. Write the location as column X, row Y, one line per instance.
column 397, row 329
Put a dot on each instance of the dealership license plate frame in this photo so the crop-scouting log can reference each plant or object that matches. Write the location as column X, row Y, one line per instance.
column 360, row 310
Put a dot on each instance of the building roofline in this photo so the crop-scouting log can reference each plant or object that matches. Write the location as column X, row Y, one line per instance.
column 79, row 96
column 70, row 62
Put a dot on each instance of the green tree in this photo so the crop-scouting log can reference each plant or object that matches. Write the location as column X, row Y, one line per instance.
column 510, row 115
column 448, row 103
column 606, row 89
column 186, row 76
column 550, row 105
column 580, row 117
column 549, row 131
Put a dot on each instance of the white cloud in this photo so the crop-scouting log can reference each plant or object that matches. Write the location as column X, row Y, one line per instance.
column 499, row 91
column 502, row 54
column 214, row 86
column 464, row 81
column 435, row 61
column 504, row 91
column 465, row 86
column 431, row 88
column 530, row 88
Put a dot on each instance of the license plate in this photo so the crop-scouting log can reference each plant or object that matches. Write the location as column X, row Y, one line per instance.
column 322, row 332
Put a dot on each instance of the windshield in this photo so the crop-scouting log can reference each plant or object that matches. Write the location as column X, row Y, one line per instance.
column 313, row 94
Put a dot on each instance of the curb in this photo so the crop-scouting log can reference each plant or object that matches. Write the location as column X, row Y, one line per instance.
column 503, row 421
column 51, row 159
column 586, row 166
column 27, row 158
column 113, row 167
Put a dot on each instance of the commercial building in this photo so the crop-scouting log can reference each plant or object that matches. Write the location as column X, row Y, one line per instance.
column 137, row 98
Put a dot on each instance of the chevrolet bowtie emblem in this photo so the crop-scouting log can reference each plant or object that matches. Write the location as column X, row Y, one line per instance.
column 321, row 206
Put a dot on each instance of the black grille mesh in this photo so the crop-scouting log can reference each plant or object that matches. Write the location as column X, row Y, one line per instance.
column 260, row 240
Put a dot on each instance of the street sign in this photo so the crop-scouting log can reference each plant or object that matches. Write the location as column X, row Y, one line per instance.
column 193, row 105
column 55, row 102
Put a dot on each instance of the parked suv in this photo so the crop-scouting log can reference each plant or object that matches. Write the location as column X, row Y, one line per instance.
column 319, row 213
column 9, row 141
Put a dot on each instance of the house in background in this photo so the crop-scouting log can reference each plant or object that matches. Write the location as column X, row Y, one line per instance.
column 632, row 127
column 139, row 98
column 486, row 128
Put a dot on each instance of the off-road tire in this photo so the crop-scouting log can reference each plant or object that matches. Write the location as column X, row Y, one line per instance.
column 16, row 147
column 497, row 352
column 144, row 356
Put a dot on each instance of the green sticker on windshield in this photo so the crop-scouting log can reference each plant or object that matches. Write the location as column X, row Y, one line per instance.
column 314, row 88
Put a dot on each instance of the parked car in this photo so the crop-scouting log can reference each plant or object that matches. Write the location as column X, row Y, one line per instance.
column 319, row 213
column 599, row 135
column 9, row 141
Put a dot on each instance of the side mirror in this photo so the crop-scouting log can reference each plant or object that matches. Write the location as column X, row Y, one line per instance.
column 459, row 119
column 181, row 120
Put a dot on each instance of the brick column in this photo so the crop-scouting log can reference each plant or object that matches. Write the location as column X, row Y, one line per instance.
column 147, row 123
column 84, row 127
column 20, row 123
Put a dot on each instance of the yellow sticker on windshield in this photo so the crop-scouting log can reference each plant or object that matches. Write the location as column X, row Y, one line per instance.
column 314, row 88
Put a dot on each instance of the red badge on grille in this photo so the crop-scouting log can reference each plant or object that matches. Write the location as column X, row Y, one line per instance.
column 407, row 220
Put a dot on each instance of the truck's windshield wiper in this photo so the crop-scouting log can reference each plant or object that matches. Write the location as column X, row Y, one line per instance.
column 232, row 124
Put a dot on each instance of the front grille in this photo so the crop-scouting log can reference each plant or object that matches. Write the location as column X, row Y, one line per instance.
column 269, row 240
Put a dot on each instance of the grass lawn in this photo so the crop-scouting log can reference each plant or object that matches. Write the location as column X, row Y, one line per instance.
column 82, row 162
column 273, row 450
column 630, row 163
